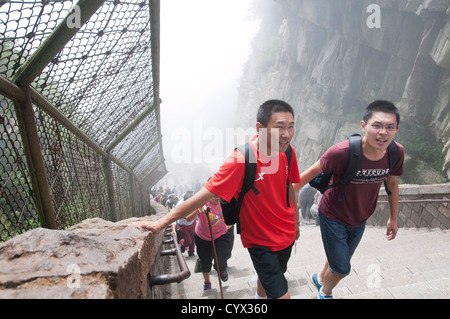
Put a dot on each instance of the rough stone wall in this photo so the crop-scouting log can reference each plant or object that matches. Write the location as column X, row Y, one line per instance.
column 322, row 58
column 94, row 259
column 417, row 214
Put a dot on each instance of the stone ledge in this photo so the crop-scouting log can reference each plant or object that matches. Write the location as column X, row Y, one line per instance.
column 413, row 189
column 418, row 214
column 94, row 259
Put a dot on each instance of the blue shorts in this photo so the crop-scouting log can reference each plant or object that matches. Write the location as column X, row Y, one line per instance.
column 339, row 242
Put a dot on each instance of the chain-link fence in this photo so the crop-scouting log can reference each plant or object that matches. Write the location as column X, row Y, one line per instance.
column 79, row 111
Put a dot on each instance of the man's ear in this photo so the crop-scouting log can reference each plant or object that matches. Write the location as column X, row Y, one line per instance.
column 258, row 127
column 363, row 126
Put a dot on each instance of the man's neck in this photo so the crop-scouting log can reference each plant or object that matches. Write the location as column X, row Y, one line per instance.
column 372, row 154
column 256, row 143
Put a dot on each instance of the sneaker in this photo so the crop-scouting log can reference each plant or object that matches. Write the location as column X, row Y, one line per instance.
column 206, row 286
column 315, row 279
column 224, row 275
column 321, row 296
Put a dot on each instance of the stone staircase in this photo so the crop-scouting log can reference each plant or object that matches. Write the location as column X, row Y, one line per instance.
column 414, row 265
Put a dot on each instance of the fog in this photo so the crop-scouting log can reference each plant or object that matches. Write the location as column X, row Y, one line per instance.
column 204, row 46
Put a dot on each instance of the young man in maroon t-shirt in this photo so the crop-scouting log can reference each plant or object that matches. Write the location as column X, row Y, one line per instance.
column 342, row 221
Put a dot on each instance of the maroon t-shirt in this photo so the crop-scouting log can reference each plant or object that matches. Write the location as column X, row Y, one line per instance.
column 361, row 194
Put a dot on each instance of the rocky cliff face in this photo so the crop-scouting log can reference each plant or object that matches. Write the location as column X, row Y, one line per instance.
column 329, row 59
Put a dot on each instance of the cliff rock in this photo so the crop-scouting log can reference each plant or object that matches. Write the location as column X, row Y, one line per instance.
column 329, row 59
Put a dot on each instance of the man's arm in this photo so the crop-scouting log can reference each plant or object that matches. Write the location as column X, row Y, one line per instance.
column 308, row 175
column 392, row 228
column 182, row 210
column 192, row 216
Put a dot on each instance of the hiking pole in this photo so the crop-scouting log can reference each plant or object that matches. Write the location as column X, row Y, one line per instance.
column 208, row 210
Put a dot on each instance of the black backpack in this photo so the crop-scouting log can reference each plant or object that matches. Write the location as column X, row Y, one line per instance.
column 321, row 181
column 231, row 209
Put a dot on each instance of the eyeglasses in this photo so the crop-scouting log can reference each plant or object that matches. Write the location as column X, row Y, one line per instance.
column 379, row 127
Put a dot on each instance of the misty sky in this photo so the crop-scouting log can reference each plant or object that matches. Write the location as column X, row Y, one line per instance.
column 204, row 45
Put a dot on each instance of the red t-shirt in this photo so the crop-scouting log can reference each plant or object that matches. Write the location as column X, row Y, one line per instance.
column 265, row 219
column 361, row 194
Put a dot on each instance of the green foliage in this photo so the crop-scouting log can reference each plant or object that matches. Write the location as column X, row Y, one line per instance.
column 152, row 211
column 15, row 223
column 420, row 143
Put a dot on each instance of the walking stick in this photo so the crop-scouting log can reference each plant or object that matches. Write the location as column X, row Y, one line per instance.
column 208, row 210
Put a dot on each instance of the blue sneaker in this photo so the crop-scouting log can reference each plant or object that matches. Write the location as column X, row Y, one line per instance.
column 315, row 279
column 320, row 296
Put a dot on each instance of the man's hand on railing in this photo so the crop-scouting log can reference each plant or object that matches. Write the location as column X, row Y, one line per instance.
column 180, row 211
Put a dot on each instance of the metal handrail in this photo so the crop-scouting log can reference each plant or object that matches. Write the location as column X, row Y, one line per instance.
column 184, row 269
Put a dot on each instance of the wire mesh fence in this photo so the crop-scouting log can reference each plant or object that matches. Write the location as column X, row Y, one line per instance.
column 17, row 207
column 79, row 118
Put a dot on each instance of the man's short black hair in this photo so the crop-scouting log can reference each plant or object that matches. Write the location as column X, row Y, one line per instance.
column 381, row 106
column 269, row 107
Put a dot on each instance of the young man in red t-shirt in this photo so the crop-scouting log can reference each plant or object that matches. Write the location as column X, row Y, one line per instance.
column 342, row 222
column 269, row 226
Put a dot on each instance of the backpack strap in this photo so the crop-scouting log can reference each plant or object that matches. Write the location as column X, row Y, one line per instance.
column 288, row 153
column 250, row 169
column 249, row 178
column 250, row 173
column 354, row 162
column 392, row 155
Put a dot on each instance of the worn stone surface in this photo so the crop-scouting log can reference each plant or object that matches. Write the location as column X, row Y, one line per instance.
column 414, row 265
column 94, row 259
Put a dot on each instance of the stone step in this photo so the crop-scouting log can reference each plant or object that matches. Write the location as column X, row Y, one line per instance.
column 414, row 265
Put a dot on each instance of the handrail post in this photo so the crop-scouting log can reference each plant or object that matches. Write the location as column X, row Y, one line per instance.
column 36, row 166
column 110, row 189
column 132, row 193
column 184, row 269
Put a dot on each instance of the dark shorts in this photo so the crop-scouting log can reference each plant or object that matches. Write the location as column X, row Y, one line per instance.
column 270, row 267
